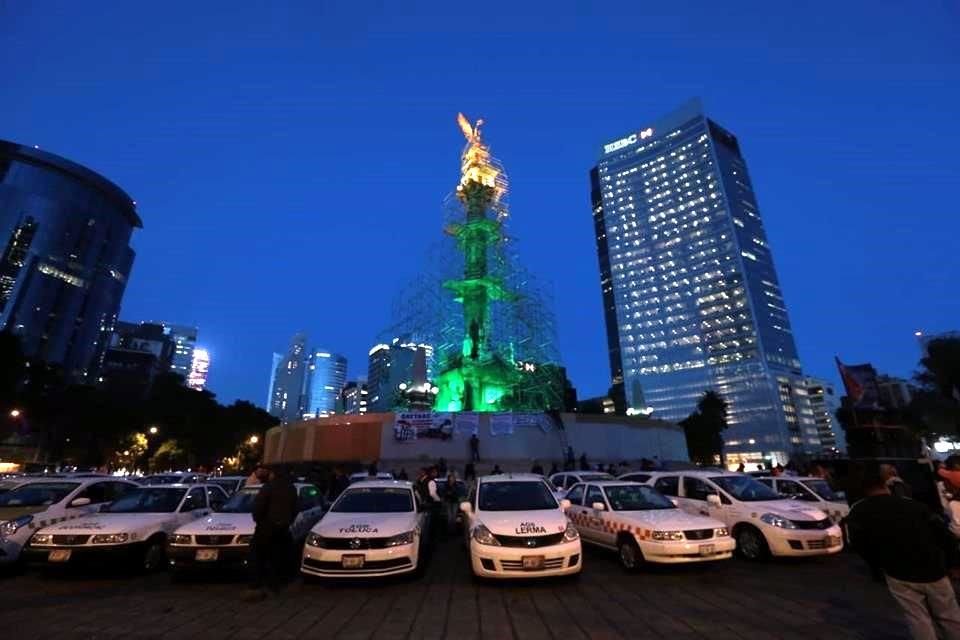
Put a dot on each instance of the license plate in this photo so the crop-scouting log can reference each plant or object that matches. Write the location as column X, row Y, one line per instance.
column 532, row 563
column 207, row 555
column 352, row 561
column 59, row 555
column 707, row 549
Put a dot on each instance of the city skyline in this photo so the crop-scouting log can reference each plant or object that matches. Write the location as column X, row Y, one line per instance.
column 835, row 140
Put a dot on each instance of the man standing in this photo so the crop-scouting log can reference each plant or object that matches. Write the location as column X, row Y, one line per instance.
column 474, row 448
column 436, row 502
column 274, row 510
column 902, row 540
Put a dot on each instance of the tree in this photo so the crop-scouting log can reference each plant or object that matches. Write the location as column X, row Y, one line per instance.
column 935, row 409
column 12, row 368
column 703, row 429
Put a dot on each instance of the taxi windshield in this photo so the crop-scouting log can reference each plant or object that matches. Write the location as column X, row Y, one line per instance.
column 38, row 494
column 630, row 497
column 374, row 500
column 240, row 502
column 516, row 496
column 151, row 500
column 822, row 489
column 745, row 488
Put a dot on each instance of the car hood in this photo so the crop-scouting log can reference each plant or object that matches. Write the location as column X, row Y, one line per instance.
column 787, row 509
column 12, row 513
column 524, row 523
column 136, row 524
column 365, row 525
column 670, row 519
column 220, row 523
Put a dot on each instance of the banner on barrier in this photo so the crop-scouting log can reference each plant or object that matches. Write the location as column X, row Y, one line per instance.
column 410, row 427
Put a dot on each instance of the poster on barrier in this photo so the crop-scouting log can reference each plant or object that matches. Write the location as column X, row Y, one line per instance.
column 467, row 423
column 410, row 427
column 533, row 420
column 501, row 424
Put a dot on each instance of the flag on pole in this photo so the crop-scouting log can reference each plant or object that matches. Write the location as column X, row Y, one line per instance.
column 855, row 389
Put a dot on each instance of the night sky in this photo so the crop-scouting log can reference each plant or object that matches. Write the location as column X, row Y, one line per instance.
column 289, row 163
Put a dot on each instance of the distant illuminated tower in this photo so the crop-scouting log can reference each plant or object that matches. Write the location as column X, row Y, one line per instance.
column 326, row 375
column 197, row 379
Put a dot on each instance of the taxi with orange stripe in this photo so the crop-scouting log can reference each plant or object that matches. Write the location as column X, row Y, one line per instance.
column 643, row 525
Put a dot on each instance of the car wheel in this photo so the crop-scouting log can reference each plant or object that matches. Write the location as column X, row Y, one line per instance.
column 751, row 544
column 630, row 555
column 155, row 556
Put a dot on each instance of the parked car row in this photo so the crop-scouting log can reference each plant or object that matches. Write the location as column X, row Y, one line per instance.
column 514, row 525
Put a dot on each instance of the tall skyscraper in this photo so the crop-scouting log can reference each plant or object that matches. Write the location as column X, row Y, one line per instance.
column 691, row 297
column 65, row 257
column 389, row 366
column 824, row 402
column 185, row 341
column 199, row 369
column 326, row 375
column 289, row 375
column 353, row 398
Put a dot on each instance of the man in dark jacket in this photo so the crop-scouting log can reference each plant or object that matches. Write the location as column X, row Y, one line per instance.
column 274, row 510
column 903, row 541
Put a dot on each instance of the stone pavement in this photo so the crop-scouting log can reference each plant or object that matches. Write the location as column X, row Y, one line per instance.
column 815, row 598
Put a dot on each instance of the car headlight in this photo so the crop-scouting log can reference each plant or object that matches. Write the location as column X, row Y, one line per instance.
column 314, row 540
column 774, row 520
column 41, row 538
column 668, row 536
column 244, row 539
column 10, row 527
column 571, row 533
column 722, row 532
column 110, row 538
column 179, row 538
column 403, row 538
column 483, row 535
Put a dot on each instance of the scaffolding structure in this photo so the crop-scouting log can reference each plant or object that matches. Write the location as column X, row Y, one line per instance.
column 488, row 319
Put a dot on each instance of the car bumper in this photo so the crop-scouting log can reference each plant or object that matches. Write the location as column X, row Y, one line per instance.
column 214, row 557
column 330, row 563
column 794, row 542
column 490, row 561
column 684, row 552
column 109, row 554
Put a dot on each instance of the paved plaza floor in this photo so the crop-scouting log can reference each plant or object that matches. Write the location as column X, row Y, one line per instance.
column 819, row 598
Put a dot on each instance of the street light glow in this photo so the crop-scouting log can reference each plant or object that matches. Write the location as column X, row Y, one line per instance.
column 254, row 439
column 153, row 431
column 15, row 413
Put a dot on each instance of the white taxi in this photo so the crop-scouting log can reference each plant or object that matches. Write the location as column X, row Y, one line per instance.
column 814, row 491
column 223, row 538
column 760, row 519
column 516, row 528
column 561, row 482
column 375, row 528
column 34, row 503
column 642, row 525
column 132, row 530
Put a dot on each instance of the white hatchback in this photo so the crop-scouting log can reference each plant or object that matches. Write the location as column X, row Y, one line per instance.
column 516, row 528
column 760, row 519
column 33, row 504
column 375, row 528
column 643, row 525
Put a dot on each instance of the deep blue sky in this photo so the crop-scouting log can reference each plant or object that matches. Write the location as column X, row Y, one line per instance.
column 289, row 163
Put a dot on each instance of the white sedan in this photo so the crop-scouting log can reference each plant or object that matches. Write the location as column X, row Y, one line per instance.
column 642, row 525
column 375, row 528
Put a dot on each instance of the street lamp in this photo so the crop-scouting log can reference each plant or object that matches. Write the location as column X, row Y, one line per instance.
column 15, row 413
column 254, row 440
column 153, row 431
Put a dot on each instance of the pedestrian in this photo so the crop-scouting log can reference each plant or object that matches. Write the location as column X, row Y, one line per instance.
column 536, row 468
column 584, row 465
column 469, row 473
column 902, row 540
column 474, row 448
column 451, row 500
column 435, row 503
column 568, row 461
column 741, row 468
column 894, row 482
column 339, row 482
column 777, row 471
column 259, row 475
column 554, row 469
column 372, row 471
column 403, row 474
column 496, row 470
column 274, row 510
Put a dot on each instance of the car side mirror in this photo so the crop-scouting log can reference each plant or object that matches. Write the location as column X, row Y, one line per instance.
column 714, row 499
column 565, row 504
column 79, row 502
column 466, row 507
column 598, row 506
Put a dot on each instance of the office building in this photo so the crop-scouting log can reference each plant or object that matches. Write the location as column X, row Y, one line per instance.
column 65, row 257
column 691, row 296
column 825, row 402
column 199, row 369
column 287, row 381
column 135, row 356
column 326, row 374
column 353, row 398
column 185, row 342
column 895, row 393
column 391, row 365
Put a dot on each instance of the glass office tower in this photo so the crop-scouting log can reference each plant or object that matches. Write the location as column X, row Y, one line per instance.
column 691, row 297
column 326, row 377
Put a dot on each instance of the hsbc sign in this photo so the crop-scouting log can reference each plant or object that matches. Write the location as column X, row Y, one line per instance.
column 629, row 140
